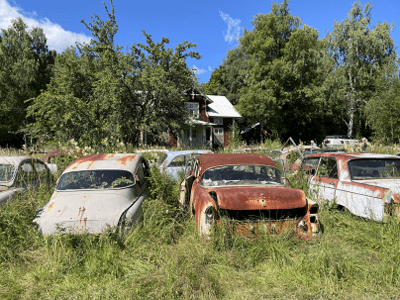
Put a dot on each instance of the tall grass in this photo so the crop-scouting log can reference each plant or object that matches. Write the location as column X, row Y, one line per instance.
column 163, row 257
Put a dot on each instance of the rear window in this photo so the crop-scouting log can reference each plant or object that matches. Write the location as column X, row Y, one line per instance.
column 95, row 179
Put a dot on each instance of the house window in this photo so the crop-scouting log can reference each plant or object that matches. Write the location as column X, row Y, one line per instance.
column 219, row 131
column 219, row 121
column 193, row 109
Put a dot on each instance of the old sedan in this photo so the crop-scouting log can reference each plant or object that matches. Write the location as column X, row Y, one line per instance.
column 96, row 192
column 365, row 184
column 248, row 190
column 17, row 173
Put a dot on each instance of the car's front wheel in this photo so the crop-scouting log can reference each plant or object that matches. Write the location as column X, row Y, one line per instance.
column 207, row 220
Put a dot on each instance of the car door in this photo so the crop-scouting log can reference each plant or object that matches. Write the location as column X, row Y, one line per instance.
column 191, row 172
column 326, row 179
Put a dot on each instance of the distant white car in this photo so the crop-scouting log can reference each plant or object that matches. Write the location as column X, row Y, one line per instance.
column 333, row 141
column 94, row 193
column 17, row 173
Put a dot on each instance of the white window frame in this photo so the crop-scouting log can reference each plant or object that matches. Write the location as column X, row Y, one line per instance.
column 219, row 121
column 219, row 131
column 193, row 109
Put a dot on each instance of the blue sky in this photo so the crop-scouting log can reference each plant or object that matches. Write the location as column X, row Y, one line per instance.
column 214, row 25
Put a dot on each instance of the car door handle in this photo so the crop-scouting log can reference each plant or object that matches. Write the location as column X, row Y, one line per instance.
column 332, row 183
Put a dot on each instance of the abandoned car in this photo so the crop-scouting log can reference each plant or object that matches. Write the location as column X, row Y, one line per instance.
column 96, row 192
column 365, row 184
column 248, row 190
column 17, row 173
column 174, row 162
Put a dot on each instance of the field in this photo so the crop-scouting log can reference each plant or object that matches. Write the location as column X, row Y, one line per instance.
column 164, row 258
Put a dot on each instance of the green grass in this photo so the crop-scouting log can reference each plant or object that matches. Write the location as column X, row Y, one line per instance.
column 163, row 257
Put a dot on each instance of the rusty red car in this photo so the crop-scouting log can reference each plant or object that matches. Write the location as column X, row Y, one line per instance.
column 248, row 190
column 366, row 184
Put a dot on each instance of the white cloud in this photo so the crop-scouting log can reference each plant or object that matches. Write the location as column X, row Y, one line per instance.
column 234, row 29
column 198, row 71
column 209, row 69
column 57, row 37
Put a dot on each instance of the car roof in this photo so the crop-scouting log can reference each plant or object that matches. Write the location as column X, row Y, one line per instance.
column 347, row 156
column 183, row 152
column 14, row 160
column 211, row 159
column 115, row 161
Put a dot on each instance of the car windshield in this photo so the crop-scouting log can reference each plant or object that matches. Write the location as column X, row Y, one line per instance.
column 240, row 175
column 6, row 172
column 95, row 179
column 374, row 169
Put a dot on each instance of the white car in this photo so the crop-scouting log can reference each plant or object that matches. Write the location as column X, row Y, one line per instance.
column 17, row 173
column 94, row 193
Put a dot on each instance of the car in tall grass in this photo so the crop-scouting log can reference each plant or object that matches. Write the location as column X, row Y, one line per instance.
column 173, row 162
column 248, row 190
column 17, row 173
column 94, row 193
column 368, row 185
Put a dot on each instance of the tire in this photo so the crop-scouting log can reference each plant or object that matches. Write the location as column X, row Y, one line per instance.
column 207, row 220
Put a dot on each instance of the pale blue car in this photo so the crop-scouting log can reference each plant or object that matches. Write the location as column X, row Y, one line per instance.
column 174, row 162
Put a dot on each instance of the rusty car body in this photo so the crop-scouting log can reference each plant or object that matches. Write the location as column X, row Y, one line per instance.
column 17, row 173
column 96, row 192
column 248, row 190
column 366, row 184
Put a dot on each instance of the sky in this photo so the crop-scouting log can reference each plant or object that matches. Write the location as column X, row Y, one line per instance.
column 214, row 25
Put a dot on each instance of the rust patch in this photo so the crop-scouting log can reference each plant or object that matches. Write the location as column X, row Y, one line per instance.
column 59, row 211
column 126, row 158
column 51, row 207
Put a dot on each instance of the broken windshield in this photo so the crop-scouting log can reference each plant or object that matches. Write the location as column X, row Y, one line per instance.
column 374, row 169
column 95, row 179
column 241, row 175
column 6, row 172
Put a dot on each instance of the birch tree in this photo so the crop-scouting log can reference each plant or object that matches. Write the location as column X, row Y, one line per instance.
column 359, row 50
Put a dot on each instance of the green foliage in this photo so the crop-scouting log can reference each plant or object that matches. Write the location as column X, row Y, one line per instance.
column 383, row 109
column 359, row 52
column 25, row 69
column 101, row 93
column 284, row 74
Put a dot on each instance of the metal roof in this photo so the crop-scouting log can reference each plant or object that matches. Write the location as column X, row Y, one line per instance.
column 221, row 107
column 116, row 161
column 220, row 159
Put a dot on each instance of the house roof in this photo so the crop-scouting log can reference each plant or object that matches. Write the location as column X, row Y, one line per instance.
column 221, row 107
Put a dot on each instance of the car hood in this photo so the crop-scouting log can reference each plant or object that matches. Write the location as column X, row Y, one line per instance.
column 93, row 211
column 266, row 197
column 393, row 184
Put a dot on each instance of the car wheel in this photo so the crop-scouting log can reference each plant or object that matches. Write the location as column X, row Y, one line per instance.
column 207, row 220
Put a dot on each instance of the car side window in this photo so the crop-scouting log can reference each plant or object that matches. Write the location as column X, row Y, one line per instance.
column 26, row 175
column 310, row 165
column 328, row 168
column 141, row 173
column 178, row 161
column 41, row 170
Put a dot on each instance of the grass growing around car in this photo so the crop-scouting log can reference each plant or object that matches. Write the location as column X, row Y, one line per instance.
column 163, row 257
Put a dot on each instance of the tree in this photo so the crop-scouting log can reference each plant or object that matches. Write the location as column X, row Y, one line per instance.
column 25, row 69
column 359, row 52
column 383, row 109
column 101, row 93
column 283, row 82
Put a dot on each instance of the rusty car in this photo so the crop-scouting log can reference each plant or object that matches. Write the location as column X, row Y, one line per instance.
column 17, row 173
column 365, row 184
column 248, row 190
column 173, row 162
column 94, row 193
